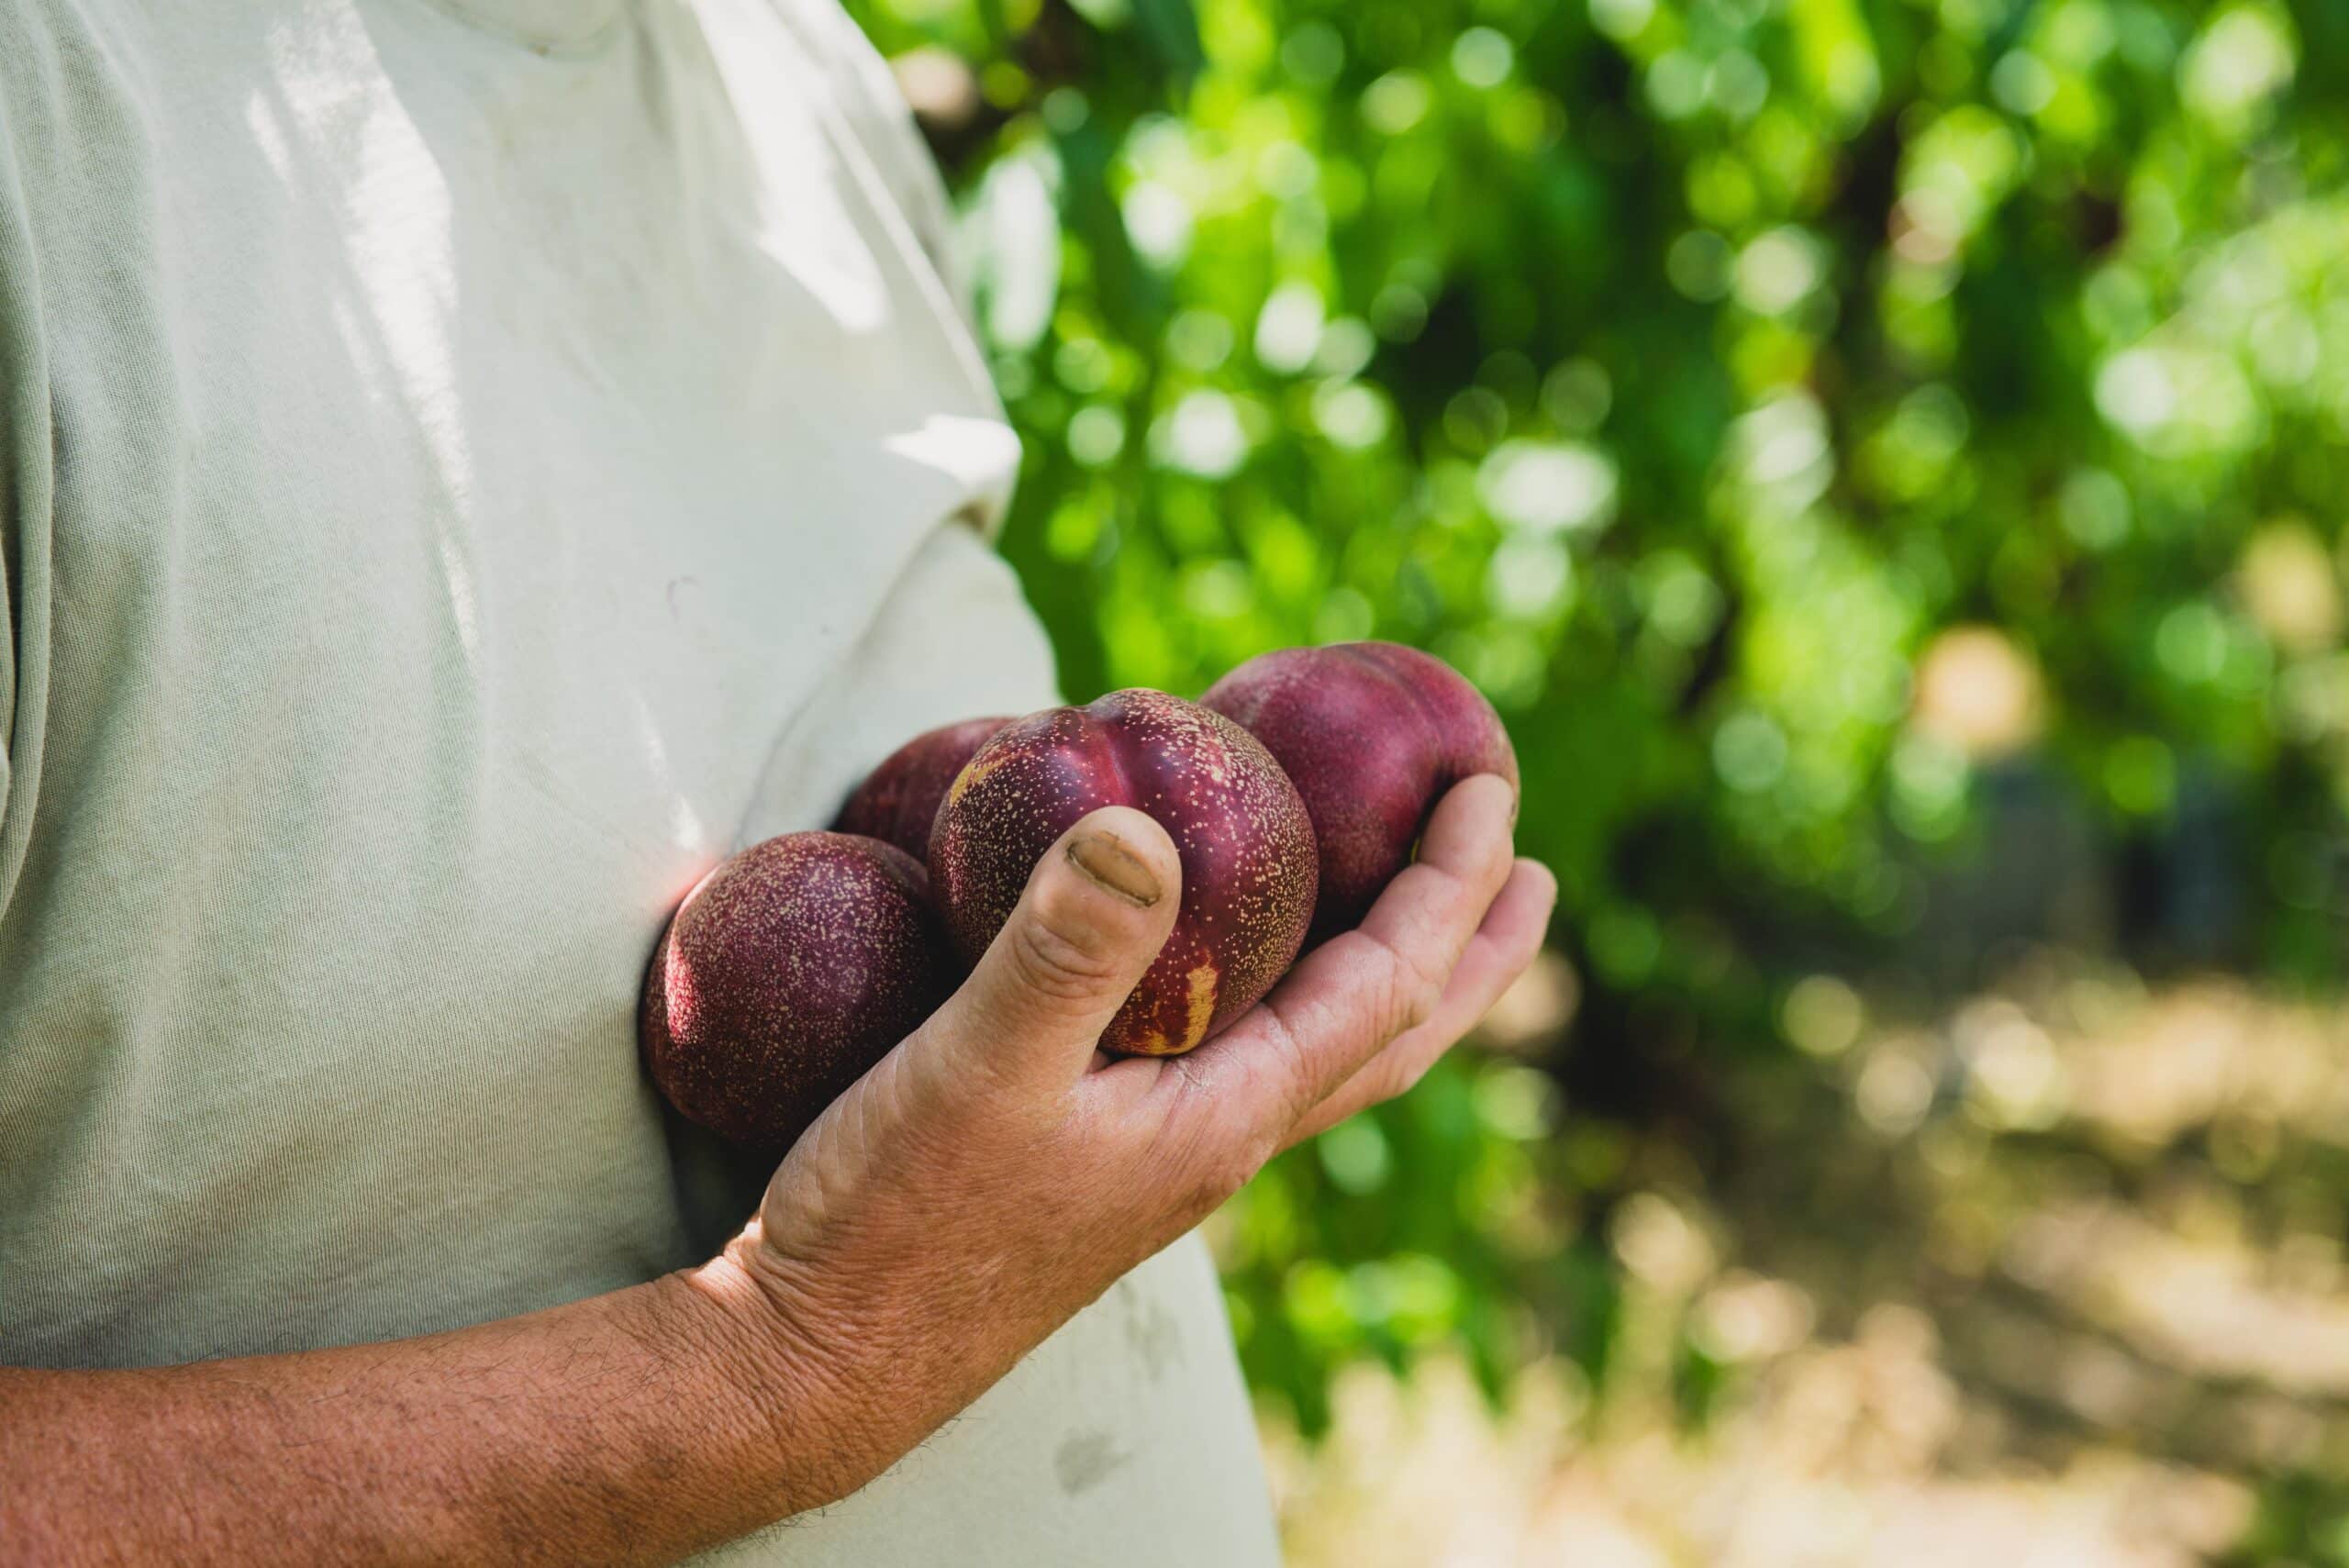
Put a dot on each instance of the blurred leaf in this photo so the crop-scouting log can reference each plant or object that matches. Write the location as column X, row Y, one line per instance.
column 1885, row 460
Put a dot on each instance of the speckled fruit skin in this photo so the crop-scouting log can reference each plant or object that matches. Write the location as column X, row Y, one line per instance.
column 1238, row 826
column 897, row 803
column 787, row 972
column 1373, row 734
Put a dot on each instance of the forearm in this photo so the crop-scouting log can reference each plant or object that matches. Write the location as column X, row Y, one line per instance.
column 982, row 1183
column 631, row 1427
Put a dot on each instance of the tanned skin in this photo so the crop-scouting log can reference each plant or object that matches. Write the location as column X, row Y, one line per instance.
column 989, row 1178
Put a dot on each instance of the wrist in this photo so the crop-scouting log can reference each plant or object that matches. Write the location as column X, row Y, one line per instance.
column 760, row 1336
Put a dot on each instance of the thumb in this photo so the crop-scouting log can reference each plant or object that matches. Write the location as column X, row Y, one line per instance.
column 1096, row 910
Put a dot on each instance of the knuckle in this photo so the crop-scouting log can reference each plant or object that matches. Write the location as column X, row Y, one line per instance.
column 1052, row 963
column 1390, row 1077
column 1425, row 1002
column 1222, row 1169
column 1235, row 1167
column 1210, row 1185
column 1380, row 1083
column 1395, row 1078
column 1412, row 995
column 1203, row 1200
column 1404, row 1076
column 1396, row 991
column 1294, row 1090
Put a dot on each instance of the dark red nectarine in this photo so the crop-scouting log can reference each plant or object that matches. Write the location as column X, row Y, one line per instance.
column 1241, row 831
column 785, row 974
column 1372, row 734
column 899, row 800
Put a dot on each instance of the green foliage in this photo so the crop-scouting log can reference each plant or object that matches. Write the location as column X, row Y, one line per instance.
column 2300, row 1519
column 1683, row 369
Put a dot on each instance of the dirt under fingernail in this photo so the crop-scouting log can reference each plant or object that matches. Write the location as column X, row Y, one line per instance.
column 1107, row 862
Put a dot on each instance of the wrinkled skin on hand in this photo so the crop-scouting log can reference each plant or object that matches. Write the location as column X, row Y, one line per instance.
column 997, row 1171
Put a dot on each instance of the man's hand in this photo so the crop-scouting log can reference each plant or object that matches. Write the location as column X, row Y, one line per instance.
column 987, row 1179
column 994, row 1173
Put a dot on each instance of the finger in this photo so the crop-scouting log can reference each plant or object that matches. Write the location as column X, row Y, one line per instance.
column 1434, row 904
column 1096, row 910
column 1499, row 951
column 1363, row 988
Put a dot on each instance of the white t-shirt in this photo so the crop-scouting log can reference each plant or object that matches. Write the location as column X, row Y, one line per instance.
column 465, row 467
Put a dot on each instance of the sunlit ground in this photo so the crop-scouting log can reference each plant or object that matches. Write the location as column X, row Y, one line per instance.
column 2068, row 1288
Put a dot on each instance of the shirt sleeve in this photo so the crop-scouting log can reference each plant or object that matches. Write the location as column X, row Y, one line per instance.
column 955, row 593
column 883, row 123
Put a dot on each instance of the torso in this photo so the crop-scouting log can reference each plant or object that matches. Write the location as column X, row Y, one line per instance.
column 460, row 484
